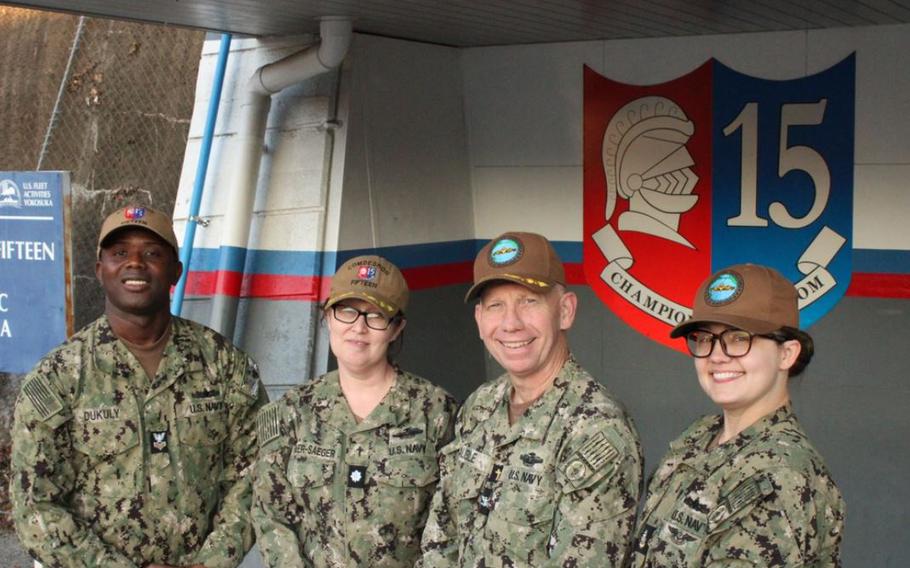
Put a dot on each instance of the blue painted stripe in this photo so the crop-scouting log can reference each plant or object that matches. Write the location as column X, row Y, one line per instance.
column 285, row 263
column 879, row 261
column 412, row 256
column 571, row 252
column 430, row 254
column 305, row 263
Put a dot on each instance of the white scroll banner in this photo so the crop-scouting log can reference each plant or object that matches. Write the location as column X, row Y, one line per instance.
column 814, row 262
column 616, row 276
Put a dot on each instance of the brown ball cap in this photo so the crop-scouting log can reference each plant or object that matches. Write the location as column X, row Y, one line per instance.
column 755, row 298
column 134, row 216
column 523, row 258
column 373, row 279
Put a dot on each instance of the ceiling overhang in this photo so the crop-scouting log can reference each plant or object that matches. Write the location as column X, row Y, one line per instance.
column 471, row 23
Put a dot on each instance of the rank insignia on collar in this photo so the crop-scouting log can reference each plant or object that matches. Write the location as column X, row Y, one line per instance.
column 158, row 442
column 357, row 476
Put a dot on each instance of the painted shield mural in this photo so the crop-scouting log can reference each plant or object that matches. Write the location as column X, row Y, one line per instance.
column 711, row 169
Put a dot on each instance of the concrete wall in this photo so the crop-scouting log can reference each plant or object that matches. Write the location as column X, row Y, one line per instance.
column 276, row 323
column 377, row 183
column 405, row 184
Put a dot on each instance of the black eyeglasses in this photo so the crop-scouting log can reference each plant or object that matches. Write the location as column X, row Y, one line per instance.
column 374, row 320
column 733, row 342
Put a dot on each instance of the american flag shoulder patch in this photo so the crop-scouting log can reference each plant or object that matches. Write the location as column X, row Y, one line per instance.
column 267, row 424
column 598, row 451
column 43, row 398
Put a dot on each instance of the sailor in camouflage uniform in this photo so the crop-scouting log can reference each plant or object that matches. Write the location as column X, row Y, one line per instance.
column 348, row 461
column 546, row 466
column 745, row 488
column 131, row 438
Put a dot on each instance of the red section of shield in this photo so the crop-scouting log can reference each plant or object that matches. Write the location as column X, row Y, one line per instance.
column 666, row 268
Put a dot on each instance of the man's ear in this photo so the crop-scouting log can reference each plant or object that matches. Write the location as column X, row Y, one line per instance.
column 568, row 304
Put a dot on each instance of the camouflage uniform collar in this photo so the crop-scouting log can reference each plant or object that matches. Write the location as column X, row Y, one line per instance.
column 180, row 355
column 328, row 403
column 392, row 410
column 697, row 439
column 486, row 400
column 535, row 422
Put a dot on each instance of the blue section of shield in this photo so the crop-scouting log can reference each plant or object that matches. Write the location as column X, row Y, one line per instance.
column 808, row 151
column 32, row 267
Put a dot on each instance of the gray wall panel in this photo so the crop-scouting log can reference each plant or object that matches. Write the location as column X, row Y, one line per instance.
column 279, row 335
column 854, row 403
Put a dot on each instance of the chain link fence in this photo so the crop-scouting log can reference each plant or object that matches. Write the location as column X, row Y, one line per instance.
column 121, row 127
column 109, row 101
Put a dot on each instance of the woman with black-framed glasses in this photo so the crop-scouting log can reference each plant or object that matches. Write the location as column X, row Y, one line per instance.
column 347, row 462
column 746, row 487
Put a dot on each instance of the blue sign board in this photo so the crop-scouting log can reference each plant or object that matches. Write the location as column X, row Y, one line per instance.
column 35, row 315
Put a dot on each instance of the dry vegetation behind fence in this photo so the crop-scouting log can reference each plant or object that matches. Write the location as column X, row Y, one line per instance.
column 117, row 117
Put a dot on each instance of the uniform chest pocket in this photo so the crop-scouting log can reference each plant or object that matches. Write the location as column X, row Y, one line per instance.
column 462, row 481
column 202, row 422
column 520, row 521
column 405, row 486
column 411, row 471
column 466, row 469
column 104, row 437
column 680, row 540
column 110, row 463
column 306, row 473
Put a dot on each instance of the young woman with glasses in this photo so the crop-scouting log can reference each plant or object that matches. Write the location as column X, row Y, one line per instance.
column 347, row 462
column 746, row 487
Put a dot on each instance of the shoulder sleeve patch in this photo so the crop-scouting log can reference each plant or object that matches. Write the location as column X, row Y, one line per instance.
column 745, row 493
column 267, row 427
column 597, row 453
column 43, row 398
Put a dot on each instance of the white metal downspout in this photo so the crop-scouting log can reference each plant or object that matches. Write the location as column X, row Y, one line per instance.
column 335, row 34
